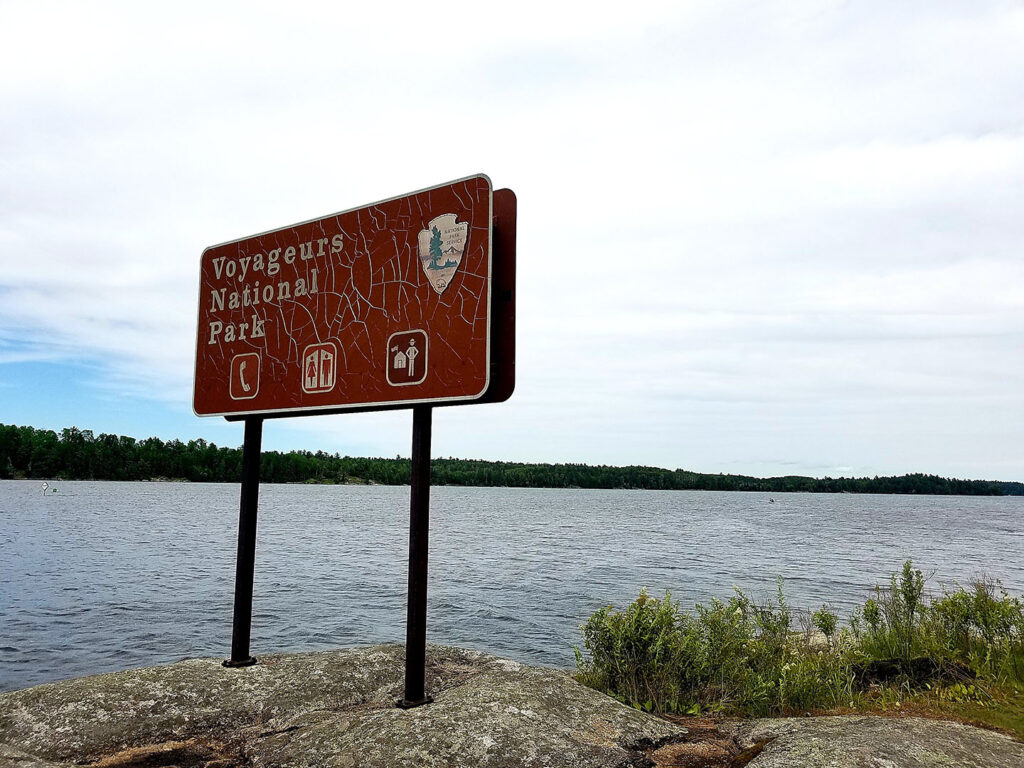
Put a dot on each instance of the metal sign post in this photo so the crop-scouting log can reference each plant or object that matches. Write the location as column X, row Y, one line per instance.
column 245, row 560
column 419, row 534
column 405, row 303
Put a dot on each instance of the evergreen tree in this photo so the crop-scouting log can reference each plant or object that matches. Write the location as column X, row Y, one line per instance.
column 76, row 454
column 435, row 248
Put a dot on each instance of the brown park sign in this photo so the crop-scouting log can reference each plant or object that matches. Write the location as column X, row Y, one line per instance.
column 405, row 302
column 409, row 302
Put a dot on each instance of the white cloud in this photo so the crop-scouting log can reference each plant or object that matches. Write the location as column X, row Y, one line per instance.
column 735, row 221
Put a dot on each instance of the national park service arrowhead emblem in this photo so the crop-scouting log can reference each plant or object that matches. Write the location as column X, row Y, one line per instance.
column 441, row 246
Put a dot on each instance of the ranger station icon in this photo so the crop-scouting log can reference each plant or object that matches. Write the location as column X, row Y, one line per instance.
column 407, row 358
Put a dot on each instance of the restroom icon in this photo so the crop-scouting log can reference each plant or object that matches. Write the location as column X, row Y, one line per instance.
column 319, row 367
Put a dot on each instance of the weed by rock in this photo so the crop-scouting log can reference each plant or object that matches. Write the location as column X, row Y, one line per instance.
column 736, row 657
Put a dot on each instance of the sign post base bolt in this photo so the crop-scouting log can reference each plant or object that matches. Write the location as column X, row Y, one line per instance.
column 406, row 704
column 239, row 663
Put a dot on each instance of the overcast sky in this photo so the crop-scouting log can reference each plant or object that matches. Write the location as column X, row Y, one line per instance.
column 761, row 238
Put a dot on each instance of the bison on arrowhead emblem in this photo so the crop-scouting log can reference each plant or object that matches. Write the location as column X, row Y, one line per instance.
column 441, row 246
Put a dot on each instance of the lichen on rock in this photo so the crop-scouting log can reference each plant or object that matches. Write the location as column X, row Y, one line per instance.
column 873, row 742
column 331, row 708
column 336, row 709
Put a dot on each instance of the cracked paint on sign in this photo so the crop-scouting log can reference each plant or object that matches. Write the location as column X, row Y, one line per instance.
column 299, row 318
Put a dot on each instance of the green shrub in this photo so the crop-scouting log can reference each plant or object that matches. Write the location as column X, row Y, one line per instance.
column 740, row 658
column 985, row 632
column 894, row 617
column 634, row 652
column 725, row 656
column 825, row 621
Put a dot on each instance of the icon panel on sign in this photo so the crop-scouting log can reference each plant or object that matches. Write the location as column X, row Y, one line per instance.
column 319, row 367
column 245, row 376
column 407, row 358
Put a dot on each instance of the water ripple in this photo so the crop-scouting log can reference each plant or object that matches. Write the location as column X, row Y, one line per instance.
column 112, row 575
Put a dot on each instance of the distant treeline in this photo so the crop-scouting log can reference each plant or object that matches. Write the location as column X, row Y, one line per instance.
column 78, row 454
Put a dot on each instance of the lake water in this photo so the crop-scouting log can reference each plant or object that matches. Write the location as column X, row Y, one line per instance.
column 105, row 576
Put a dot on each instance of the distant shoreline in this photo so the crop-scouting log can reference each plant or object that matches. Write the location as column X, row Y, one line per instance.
column 355, row 481
column 76, row 454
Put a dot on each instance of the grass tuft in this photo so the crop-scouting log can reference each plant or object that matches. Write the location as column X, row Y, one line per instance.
column 737, row 657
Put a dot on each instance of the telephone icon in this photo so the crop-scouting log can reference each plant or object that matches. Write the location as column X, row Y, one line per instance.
column 245, row 376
